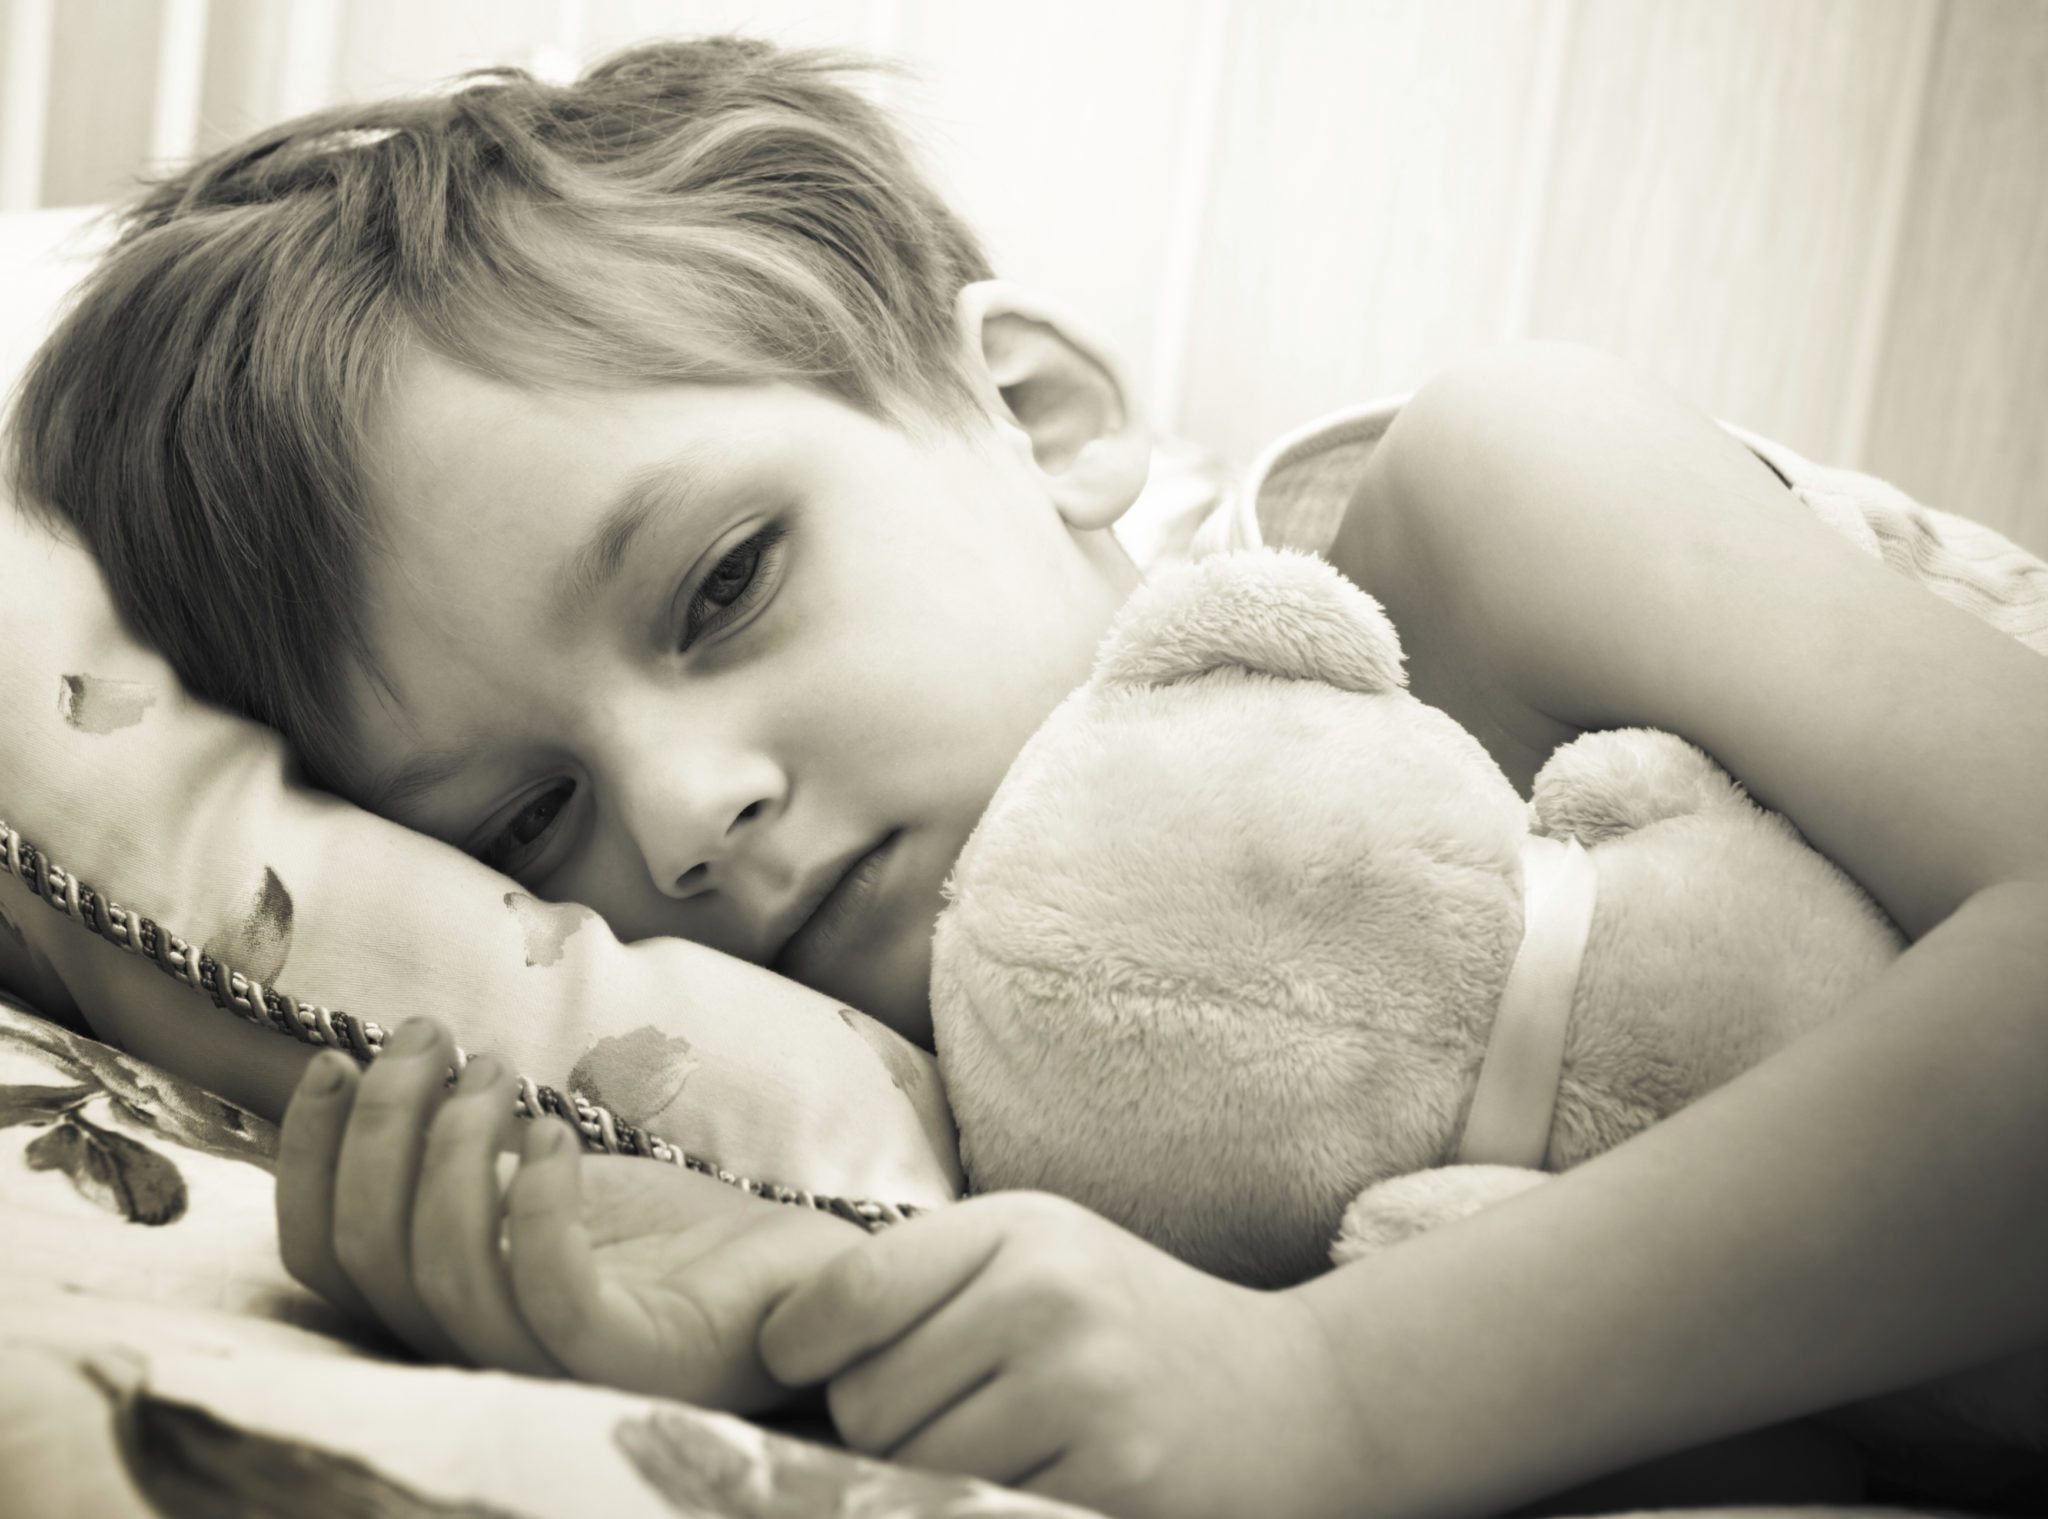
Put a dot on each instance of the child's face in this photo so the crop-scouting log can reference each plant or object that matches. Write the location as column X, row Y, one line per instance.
column 708, row 736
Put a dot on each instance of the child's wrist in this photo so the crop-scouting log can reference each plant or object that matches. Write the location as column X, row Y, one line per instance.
column 1385, row 1468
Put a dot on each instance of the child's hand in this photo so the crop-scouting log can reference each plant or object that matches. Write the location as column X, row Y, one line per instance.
column 615, row 1269
column 1021, row 1338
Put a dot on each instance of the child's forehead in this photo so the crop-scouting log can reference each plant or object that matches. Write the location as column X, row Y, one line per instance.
column 456, row 453
column 445, row 428
column 431, row 399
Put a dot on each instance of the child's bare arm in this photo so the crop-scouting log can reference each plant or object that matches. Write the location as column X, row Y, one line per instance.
column 1862, row 1210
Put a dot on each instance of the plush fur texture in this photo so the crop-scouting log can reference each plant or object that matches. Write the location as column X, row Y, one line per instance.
column 1225, row 950
column 1168, row 953
column 1226, row 947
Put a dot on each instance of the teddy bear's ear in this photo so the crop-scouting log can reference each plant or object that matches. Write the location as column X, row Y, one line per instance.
column 1272, row 610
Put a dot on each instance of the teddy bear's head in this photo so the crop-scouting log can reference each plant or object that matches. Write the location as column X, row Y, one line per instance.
column 1226, row 944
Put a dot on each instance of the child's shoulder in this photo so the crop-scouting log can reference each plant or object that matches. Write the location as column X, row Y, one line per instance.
column 1489, row 520
column 1529, row 415
column 1527, row 498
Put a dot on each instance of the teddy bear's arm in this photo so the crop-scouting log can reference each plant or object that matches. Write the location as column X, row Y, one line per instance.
column 1605, row 784
column 1403, row 1206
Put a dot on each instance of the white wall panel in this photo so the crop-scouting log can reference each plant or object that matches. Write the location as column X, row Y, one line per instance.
column 1717, row 204
column 1959, row 416
column 27, row 32
column 175, row 89
column 605, row 25
column 103, row 56
column 1361, row 219
column 385, row 47
column 1056, row 130
column 1825, row 219
column 264, row 63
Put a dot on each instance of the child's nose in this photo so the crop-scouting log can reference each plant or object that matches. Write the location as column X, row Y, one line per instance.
column 691, row 818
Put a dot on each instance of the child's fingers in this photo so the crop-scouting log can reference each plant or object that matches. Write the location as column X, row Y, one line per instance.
column 1005, row 1430
column 876, row 1292
column 309, row 1146
column 554, row 1272
column 457, row 1264
column 927, row 1379
column 377, row 1173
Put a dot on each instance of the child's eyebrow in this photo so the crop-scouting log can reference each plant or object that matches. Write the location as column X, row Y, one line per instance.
column 672, row 484
column 668, row 485
column 421, row 774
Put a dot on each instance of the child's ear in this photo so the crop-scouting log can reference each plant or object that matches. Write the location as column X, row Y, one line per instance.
column 1041, row 374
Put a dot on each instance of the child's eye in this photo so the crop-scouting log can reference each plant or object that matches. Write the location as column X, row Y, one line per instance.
column 734, row 584
column 514, row 846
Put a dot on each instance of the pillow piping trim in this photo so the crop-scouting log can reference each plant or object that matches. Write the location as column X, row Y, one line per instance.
column 328, row 1028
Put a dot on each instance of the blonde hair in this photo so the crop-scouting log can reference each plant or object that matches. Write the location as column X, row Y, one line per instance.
column 716, row 210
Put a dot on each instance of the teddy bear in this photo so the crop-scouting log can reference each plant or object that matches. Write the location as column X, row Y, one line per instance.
column 1265, row 959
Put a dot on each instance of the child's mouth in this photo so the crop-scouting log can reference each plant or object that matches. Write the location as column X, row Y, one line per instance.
column 837, row 916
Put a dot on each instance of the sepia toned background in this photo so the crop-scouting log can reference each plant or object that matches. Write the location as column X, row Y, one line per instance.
column 1826, row 220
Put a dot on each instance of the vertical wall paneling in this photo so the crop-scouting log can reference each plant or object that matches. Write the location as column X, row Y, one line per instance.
column 1718, row 175
column 25, row 45
column 102, row 81
column 1187, row 220
column 1071, row 184
column 613, row 24
column 556, row 52
column 308, row 57
column 265, row 63
column 571, row 33
column 886, row 26
column 386, row 47
column 1887, row 230
column 1532, row 177
column 180, row 72
column 239, row 71
column 1358, row 223
column 1824, row 219
column 1960, row 412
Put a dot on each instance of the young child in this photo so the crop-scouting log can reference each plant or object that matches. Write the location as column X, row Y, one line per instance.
column 644, row 485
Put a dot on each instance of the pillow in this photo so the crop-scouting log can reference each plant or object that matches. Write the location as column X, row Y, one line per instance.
column 162, row 870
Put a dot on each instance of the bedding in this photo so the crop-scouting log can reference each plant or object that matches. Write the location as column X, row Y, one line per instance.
column 156, row 1360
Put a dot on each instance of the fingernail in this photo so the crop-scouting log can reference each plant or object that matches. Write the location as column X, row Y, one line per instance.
column 414, row 1037
column 479, row 1073
column 551, row 1138
column 323, row 1074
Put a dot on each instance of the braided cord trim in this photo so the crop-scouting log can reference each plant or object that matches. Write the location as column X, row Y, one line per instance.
column 311, row 1023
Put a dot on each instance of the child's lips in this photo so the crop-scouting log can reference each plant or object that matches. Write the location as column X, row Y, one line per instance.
column 845, row 906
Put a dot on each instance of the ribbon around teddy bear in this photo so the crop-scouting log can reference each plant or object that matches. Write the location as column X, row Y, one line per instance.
column 1515, row 1100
